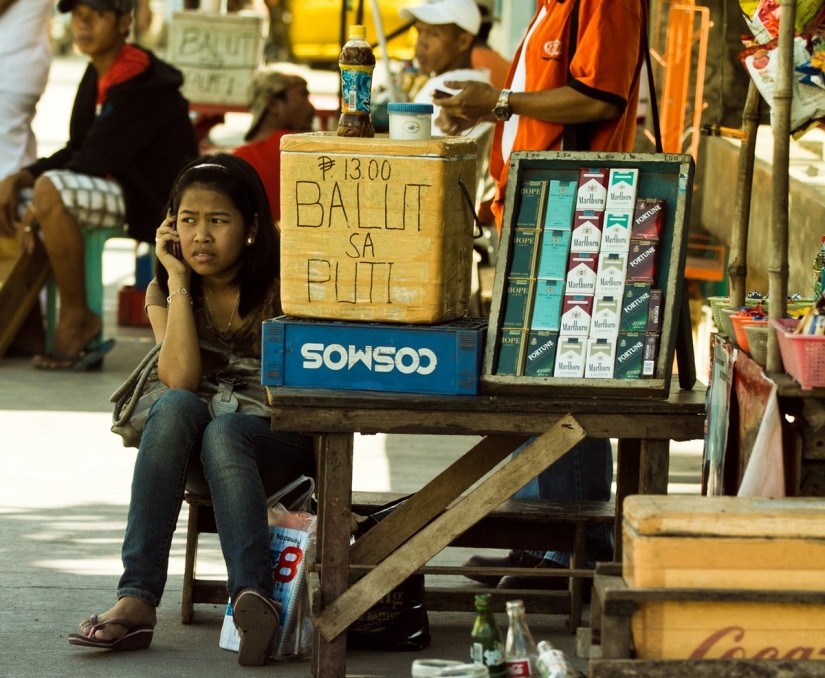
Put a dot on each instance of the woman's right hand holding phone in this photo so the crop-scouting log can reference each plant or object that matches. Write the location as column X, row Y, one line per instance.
column 167, row 248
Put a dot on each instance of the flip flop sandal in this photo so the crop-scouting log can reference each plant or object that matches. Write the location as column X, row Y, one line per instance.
column 257, row 620
column 136, row 637
column 87, row 360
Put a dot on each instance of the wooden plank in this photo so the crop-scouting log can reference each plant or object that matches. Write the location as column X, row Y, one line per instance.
column 688, row 426
column 728, row 516
column 654, row 463
column 444, row 599
column 679, row 402
column 19, row 291
column 576, row 585
column 706, row 668
column 615, row 636
column 466, row 512
column 431, row 499
column 329, row 657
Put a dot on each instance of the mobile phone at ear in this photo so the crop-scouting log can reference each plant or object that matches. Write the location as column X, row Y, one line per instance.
column 176, row 251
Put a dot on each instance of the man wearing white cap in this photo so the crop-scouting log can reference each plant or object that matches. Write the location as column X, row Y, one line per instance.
column 443, row 49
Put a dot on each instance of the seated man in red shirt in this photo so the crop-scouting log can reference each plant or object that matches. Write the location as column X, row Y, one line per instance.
column 279, row 105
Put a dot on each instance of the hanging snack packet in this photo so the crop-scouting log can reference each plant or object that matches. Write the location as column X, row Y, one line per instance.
column 761, row 63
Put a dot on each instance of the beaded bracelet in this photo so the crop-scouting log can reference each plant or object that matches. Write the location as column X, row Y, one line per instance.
column 180, row 290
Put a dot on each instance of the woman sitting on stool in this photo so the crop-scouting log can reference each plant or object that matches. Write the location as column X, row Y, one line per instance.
column 206, row 307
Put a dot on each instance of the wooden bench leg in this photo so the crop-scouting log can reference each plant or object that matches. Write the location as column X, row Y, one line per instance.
column 577, row 562
column 187, row 603
column 627, row 483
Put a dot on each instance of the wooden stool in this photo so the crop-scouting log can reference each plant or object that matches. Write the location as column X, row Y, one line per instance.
column 95, row 239
column 201, row 519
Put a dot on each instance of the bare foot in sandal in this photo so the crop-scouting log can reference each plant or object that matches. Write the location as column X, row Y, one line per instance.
column 134, row 610
column 74, row 332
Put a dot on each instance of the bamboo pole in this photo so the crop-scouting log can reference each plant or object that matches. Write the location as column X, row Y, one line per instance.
column 738, row 260
column 783, row 95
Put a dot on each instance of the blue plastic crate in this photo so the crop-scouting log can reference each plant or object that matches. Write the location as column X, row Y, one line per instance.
column 352, row 356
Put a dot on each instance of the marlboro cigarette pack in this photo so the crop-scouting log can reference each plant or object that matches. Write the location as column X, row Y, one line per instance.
column 547, row 305
column 570, row 357
column 601, row 356
column 576, row 312
column 611, row 273
column 648, row 219
column 592, row 190
column 641, row 260
column 525, row 248
column 510, row 352
column 621, row 189
column 630, row 351
column 555, row 246
column 541, row 353
column 616, row 231
column 531, row 209
column 654, row 314
column 605, row 319
column 561, row 201
column 635, row 307
column 517, row 304
column 651, row 356
column 581, row 273
column 587, row 231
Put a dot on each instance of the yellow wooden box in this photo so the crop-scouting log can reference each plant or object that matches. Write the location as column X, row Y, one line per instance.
column 376, row 230
column 726, row 543
column 218, row 55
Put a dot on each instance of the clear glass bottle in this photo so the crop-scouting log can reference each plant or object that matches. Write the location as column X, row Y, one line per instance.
column 486, row 647
column 356, row 62
column 520, row 652
column 553, row 663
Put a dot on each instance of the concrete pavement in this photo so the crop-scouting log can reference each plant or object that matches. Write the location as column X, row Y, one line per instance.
column 64, row 491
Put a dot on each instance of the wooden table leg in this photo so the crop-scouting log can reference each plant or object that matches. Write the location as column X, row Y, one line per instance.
column 627, row 482
column 329, row 658
column 654, row 465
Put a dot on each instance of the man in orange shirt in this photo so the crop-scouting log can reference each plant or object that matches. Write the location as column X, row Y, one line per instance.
column 279, row 105
column 547, row 92
column 573, row 84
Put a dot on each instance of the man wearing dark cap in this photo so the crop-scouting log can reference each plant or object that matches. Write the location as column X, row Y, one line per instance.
column 280, row 105
column 129, row 135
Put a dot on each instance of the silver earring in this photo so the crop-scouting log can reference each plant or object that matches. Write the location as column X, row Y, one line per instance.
column 249, row 241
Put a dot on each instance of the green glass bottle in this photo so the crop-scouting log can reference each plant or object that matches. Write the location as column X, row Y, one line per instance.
column 487, row 647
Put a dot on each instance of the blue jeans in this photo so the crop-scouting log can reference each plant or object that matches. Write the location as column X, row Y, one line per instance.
column 585, row 473
column 236, row 451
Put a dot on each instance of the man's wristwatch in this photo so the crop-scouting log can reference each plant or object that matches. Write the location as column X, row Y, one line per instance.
column 502, row 110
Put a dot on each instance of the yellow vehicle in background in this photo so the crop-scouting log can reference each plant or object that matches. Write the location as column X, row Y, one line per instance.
column 315, row 28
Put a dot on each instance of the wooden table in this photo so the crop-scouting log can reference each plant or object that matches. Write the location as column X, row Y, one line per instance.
column 421, row 527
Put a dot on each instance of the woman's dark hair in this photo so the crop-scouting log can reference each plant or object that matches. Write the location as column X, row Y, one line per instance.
column 238, row 181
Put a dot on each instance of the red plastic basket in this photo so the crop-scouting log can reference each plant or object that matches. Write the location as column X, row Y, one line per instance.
column 739, row 325
column 803, row 355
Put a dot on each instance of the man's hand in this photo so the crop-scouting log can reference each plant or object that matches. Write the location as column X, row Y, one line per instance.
column 474, row 102
column 26, row 232
column 9, row 188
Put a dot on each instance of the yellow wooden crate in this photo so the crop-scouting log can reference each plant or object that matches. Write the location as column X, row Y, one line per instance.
column 376, row 230
column 725, row 543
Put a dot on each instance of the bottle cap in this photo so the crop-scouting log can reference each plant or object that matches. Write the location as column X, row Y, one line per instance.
column 410, row 109
column 358, row 32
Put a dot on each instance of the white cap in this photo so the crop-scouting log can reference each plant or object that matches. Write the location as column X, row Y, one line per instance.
column 463, row 13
